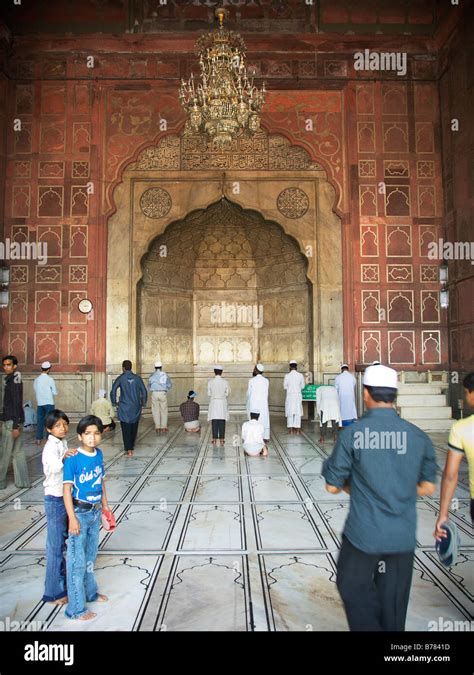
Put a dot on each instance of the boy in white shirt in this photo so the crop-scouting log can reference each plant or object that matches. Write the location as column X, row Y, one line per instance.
column 252, row 436
column 54, row 452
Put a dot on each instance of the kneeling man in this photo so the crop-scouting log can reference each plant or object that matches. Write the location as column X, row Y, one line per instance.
column 252, row 436
column 190, row 413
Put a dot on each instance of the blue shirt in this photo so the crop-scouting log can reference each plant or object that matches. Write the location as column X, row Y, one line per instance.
column 133, row 396
column 45, row 389
column 159, row 381
column 383, row 457
column 85, row 471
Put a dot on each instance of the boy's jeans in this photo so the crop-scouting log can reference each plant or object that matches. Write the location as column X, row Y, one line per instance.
column 81, row 555
column 56, row 518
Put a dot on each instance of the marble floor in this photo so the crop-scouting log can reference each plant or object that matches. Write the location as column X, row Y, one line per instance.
column 209, row 540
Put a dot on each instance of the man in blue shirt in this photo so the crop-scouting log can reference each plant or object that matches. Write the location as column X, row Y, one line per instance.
column 384, row 463
column 133, row 396
column 45, row 391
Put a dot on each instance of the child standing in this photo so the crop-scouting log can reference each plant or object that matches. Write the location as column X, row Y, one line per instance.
column 54, row 452
column 84, row 497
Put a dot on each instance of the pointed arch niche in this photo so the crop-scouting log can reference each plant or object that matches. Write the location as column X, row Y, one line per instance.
column 181, row 180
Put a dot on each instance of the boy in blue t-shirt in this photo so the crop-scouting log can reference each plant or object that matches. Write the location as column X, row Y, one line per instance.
column 84, row 498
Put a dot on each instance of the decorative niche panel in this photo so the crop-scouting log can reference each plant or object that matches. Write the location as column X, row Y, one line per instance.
column 230, row 285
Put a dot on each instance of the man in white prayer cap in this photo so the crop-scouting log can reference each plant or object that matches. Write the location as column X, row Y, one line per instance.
column 385, row 463
column 252, row 437
column 218, row 390
column 104, row 410
column 329, row 412
column 159, row 383
column 345, row 384
column 45, row 391
column 257, row 399
column 293, row 383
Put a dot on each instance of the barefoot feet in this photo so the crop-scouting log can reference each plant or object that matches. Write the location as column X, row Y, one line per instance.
column 59, row 601
column 86, row 616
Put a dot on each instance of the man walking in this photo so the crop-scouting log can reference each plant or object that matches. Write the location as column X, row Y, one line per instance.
column 345, row 384
column 384, row 462
column 159, row 384
column 45, row 391
column 257, row 399
column 293, row 383
column 133, row 396
column 13, row 417
column 218, row 391
column 460, row 445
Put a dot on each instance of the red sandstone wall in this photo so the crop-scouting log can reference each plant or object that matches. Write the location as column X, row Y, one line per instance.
column 51, row 161
column 396, row 211
column 3, row 136
column 457, row 88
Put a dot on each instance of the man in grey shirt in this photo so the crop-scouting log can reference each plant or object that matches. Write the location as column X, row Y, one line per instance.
column 384, row 462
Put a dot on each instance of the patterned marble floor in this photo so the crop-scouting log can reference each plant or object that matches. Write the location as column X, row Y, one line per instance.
column 208, row 539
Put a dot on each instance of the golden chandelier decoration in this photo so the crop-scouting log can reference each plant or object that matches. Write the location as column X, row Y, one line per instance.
column 226, row 101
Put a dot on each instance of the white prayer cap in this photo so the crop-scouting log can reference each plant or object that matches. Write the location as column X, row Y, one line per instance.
column 260, row 368
column 292, row 362
column 376, row 363
column 217, row 367
column 158, row 364
column 380, row 376
column 45, row 365
column 102, row 392
column 344, row 365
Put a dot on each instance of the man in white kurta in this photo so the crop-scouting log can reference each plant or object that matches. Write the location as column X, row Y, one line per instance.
column 329, row 412
column 345, row 384
column 252, row 437
column 257, row 398
column 293, row 383
column 218, row 390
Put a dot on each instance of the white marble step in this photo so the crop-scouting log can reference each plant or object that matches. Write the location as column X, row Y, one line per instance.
column 404, row 400
column 419, row 389
column 424, row 412
column 431, row 425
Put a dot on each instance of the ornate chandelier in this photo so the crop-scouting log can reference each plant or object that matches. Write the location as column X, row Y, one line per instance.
column 226, row 100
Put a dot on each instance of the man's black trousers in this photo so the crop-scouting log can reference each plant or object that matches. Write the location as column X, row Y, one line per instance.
column 129, row 434
column 375, row 588
column 218, row 428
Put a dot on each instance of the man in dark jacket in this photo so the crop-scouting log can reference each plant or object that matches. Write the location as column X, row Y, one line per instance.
column 133, row 396
column 13, row 417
